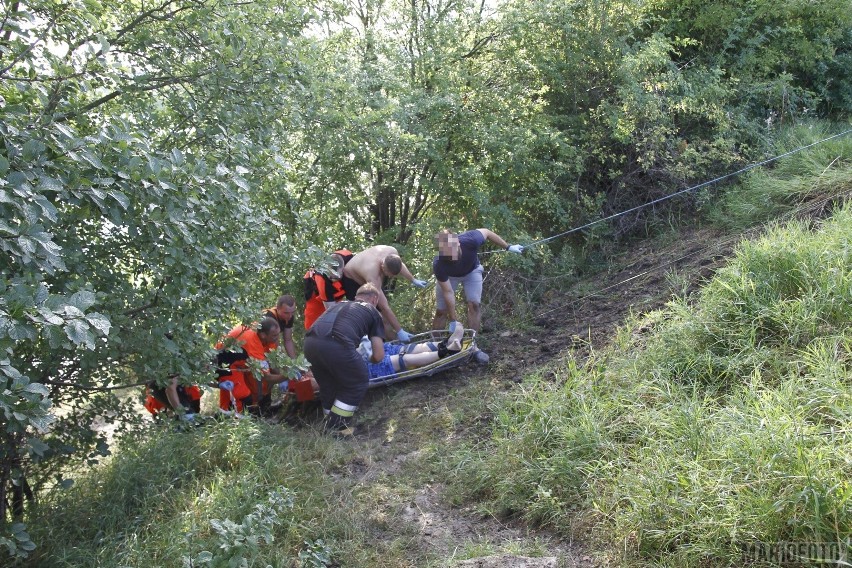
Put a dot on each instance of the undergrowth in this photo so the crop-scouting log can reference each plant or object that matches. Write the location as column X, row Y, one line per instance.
column 707, row 426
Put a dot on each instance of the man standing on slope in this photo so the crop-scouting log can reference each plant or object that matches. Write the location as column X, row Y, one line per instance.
column 371, row 266
column 458, row 263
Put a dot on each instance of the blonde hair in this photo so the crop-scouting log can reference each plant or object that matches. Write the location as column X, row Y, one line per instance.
column 367, row 292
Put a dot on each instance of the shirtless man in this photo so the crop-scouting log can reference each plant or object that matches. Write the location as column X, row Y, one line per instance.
column 370, row 267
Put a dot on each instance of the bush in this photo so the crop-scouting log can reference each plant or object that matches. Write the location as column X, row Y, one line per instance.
column 721, row 427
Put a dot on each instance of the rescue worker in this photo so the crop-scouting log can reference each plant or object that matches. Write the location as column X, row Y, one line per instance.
column 284, row 313
column 238, row 387
column 185, row 401
column 371, row 266
column 331, row 347
column 324, row 287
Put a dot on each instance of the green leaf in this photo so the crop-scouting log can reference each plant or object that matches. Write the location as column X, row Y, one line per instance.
column 33, row 149
column 83, row 300
column 4, row 166
column 37, row 388
column 42, row 423
column 99, row 322
column 37, row 447
column 78, row 332
column 120, row 198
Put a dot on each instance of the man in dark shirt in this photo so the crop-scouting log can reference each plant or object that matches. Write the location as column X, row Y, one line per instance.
column 331, row 348
column 285, row 313
column 458, row 263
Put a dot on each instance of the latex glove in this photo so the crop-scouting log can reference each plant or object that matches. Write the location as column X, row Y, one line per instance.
column 365, row 348
column 283, row 386
column 227, row 385
column 453, row 325
column 419, row 283
column 187, row 416
column 403, row 335
column 517, row 249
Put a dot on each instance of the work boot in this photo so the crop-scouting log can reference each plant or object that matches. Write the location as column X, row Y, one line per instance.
column 338, row 427
column 481, row 357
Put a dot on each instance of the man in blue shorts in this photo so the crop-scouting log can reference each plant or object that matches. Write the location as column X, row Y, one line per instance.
column 458, row 263
column 400, row 357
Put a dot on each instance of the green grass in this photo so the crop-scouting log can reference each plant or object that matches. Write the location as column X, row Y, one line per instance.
column 706, row 427
column 765, row 193
column 156, row 501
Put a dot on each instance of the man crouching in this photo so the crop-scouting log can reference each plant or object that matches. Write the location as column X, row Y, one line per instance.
column 331, row 347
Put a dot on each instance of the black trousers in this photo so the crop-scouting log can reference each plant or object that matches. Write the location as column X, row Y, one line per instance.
column 339, row 369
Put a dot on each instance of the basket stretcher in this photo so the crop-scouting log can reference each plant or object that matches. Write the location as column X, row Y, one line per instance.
column 449, row 362
column 304, row 392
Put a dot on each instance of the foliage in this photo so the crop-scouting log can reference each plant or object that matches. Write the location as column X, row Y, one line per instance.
column 706, row 427
column 238, row 542
column 813, row 176
column 785, row 57
column 316, row 554
column 124, row 217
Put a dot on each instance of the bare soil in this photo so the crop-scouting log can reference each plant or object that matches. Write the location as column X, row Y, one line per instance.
column 569, row 320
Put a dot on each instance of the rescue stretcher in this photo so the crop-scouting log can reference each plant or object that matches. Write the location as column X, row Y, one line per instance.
column 448, row 362
column 303, row 391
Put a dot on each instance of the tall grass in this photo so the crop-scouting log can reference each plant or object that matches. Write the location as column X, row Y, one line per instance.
column 157, row 501
column 725, row 425
column 764, row 193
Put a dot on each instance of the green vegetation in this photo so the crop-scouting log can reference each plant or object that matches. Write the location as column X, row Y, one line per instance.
column 709, row 425
column 167, row 170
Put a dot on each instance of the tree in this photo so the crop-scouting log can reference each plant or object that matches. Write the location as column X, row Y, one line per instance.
column 132, row 138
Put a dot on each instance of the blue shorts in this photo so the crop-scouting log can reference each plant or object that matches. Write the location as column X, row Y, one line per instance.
column 384, row 367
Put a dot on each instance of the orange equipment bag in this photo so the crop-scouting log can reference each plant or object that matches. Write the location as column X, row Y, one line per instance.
column 303, row 389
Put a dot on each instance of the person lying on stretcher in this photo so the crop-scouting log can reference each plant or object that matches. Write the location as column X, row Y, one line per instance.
column 399, row 357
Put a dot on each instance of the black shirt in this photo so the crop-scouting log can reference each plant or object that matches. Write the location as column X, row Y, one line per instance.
column 348, row 322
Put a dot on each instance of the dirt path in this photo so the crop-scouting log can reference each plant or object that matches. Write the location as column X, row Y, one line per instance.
column 571, row 320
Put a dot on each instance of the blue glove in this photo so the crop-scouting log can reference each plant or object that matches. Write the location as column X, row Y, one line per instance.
column 419, row 283
column 517, row 249
column 403, row 335
column 227, row 385
column 283, row 386
column 188, row 417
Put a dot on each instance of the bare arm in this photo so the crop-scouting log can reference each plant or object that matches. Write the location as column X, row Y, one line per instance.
column 273, row 377
column 405, row 273
column 494, row 238
column 385, row 309
column 172, row 395
column 289, row 346
column 449, row 299
column 378, row 349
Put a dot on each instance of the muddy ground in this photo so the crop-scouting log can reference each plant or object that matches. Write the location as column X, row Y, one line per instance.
column 572, row 319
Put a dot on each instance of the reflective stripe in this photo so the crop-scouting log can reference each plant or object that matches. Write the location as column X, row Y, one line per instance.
column 343, row 409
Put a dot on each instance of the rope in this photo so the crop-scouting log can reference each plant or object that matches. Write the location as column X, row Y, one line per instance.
column 728, row 241
column 687, row 190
